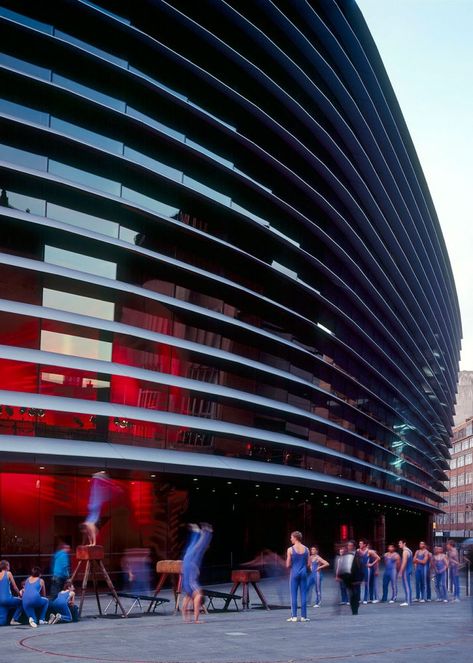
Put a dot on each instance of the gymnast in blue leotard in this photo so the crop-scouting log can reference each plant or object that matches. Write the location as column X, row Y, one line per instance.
column 8, row 602
column 392, row 562
column 197, row 545
column 297, row 560
column 317, row 563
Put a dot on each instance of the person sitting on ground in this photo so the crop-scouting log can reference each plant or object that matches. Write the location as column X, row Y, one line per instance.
column 63, row 608
column 8, row 602
column 34, row 596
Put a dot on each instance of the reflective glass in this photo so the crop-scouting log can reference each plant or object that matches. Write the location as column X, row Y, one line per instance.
column 157, row 82
column 204, row 150
column 106, row 11
column 26, row 203
column 83, row 177
column 78, row 346
column 66, row 301
column 206, row 190
column 153, row 164
column 23, row 112
column 215, row 117
column 88, row 92
column 89, row 47
column 149, row 203
column 82, row 220
column 79, row 261
column 87, row 136
column 25, row 67
column 26, row 20
column 146, row 119
column 23, row 158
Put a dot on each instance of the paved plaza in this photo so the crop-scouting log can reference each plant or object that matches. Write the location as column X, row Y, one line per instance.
column 432, row 631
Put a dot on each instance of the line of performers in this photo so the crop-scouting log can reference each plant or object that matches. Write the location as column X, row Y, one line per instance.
column 357, row 571
column 29, row 605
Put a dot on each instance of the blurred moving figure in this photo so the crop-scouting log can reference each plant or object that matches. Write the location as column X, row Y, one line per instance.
column 453, row 568
column 352, row 573
column 343, row 590
column 198, row 543
column 271, row 565
column 136, row 565
column 101, row 488
column 60, row 569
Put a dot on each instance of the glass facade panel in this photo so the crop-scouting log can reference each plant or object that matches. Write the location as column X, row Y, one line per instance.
column 23, row 158
column 157, row 206
column 153, row 164
column 80, row 262
column 23, row 112
column 83, row 177
column 66, row 301
column 79, row 346
column 87, row 136
column 26, row 20
column 25, row 67
column 146, row 119
column 109, row 57
column 88, row 92
column 82, row 220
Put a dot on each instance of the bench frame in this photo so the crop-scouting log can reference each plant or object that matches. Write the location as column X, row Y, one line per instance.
column 137, row 599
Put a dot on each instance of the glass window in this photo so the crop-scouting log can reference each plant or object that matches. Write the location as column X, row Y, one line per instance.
column 89, row 47
column 453, row 464
column 26, row 203
column 146, row 119
column 457, row 447
column 453, row 482
column 23, row 112
column 82, row 220
column 83, row 177
column 88, row 92
column 106, row 11
column 87, row 136
column 25, row 67
column 465, row 444
column 468, row 459
column 23, row 158
column 214, row 117
column 26, row 20
column 153, row 164
column 65, row 301
column 206, row 190
column 213, row 155
column 468, row 477
column 80, row 262
column 152, row 204
column 157, row 82
column 78, row 346
column 460, row 461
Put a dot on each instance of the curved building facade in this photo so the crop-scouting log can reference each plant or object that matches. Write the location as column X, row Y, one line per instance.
column 222, row 277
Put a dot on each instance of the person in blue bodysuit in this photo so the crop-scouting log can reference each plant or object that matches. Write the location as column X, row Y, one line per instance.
column 405, row 572
column 100, row 492
column 317, row 563
column 421, row 560
column 8, row 602
column 392, row 562
column 370, row 560
column 60, row 569
column 440, row 567
column 197, row 545
column 62, row 607
column 454, row 568
column 34, row 597
column 297, row 560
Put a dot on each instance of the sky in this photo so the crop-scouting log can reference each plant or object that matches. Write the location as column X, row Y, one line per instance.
column 427, row 50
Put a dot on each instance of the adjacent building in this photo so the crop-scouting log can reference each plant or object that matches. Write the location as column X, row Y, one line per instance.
column 456, row 521
column 222, row 280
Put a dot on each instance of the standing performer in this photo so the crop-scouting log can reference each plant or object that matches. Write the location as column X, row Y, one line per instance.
column 405, row 571
column 198, row 543
column 454, row 569
column 100, row 488
column 392, row 562
column 421, row 559
column 440, row 564
column 8, row 602
column 370, row 560
column 317, row 563
column 297, row 560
